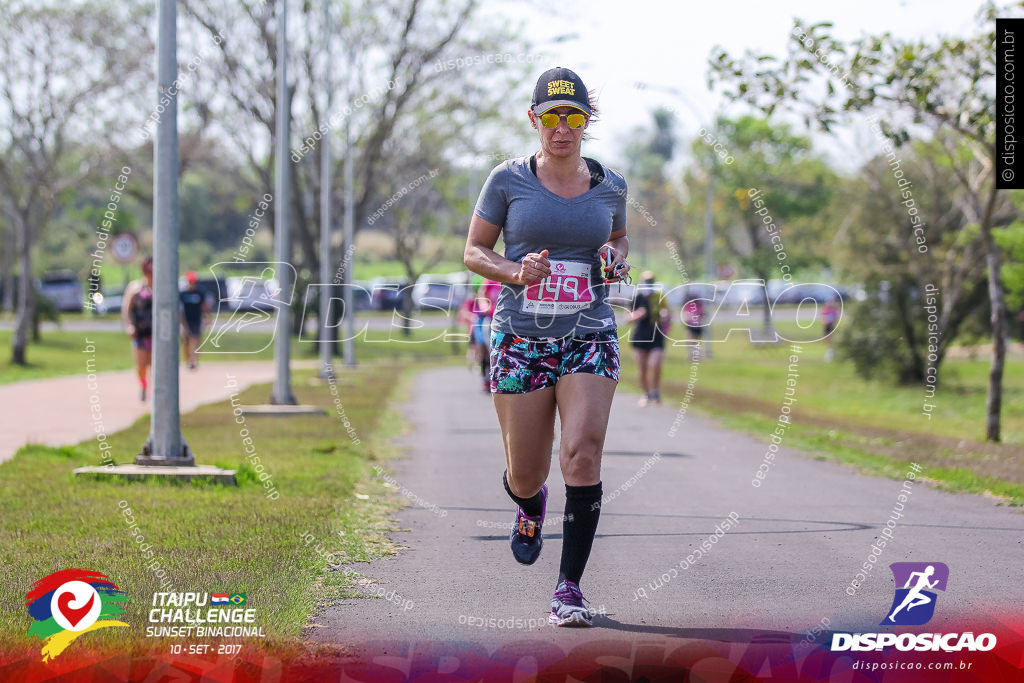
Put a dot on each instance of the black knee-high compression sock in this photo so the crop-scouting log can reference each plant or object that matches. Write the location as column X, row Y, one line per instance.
column 582, row 510
column 532, row 506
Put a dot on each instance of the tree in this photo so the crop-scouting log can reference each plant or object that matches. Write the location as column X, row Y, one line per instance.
column 61, row 69
column 649, row 154
column 944, row 85
column 399, row 92
column 890, row 331
column 774, row 179
column 415, row 227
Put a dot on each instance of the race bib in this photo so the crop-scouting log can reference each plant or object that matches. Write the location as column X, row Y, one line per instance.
column 566, row 290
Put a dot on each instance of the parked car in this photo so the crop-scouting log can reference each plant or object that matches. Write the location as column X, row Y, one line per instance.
column 249, row 294
column 385, row 293
column 108, row 301
column 776, row 287
column 741, row 292
column 852, row 292
column 433, row 291
column 679, row 295
column 821, row 293
column 64, row 289
column 462, row 281
column 361, row 294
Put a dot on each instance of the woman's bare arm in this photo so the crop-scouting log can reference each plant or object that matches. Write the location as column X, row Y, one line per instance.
column 481, row 258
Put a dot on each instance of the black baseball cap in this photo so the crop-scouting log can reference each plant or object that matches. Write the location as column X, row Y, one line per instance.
column 560, row 87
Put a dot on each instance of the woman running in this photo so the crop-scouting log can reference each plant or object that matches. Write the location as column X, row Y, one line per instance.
column 475, row 312
column 650, row 318
column 137, row 314
column 553, row 336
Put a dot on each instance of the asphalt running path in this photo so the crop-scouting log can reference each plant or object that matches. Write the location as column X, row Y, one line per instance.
column 56, row 411
column 801, row 538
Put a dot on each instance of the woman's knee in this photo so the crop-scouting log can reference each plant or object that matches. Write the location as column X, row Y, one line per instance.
column 580, row 464
column 582, row 447
column 525, row 484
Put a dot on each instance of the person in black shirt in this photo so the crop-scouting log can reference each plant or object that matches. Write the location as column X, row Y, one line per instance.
column 193, row 307
column 137, row 314
column 651, row 318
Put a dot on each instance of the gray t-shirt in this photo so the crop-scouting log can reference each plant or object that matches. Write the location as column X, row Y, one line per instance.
column 571, row 301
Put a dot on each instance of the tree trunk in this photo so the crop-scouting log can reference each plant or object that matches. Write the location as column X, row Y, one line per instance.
column 25, row 308
column 36, row 337
column 754, row 231
column 914, row 373
column 9, row 276
column 406, row 304
column 1000, row 330
column 769, row 328
column 304, row 246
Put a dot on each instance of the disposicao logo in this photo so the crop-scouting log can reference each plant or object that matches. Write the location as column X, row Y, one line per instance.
column 914, row 605
column 918, row 580
column 71, row 602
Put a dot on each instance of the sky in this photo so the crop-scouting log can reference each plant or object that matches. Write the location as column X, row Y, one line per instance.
column 666, row 44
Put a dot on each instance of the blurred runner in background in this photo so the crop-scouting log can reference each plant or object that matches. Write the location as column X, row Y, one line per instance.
column 651, row 318
column 137, row 315
column 194, row 308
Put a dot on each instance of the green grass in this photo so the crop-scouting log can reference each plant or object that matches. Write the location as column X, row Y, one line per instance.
column 862, row 453
column 60, row 353
column 834, row 389
column 210, row 537
column 870, row 424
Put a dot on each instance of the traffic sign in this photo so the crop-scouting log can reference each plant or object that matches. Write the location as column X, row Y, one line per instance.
column 124, row 247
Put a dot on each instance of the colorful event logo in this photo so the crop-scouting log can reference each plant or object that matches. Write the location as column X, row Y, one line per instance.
column 71, row 602
column 225, row 600
column 914, row 603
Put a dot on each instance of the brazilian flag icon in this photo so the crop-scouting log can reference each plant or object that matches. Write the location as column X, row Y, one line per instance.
column 237, row 599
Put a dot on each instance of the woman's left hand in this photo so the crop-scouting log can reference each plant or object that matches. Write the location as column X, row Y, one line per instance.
column 616, row 267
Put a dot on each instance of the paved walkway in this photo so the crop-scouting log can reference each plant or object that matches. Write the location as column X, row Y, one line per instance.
column 802, row 537
column 55, row 411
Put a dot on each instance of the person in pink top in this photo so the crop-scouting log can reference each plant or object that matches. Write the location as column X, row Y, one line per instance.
column 491, row 290
column 830, row 317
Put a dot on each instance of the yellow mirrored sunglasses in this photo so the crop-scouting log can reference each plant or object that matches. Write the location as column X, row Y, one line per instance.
column 551, row 119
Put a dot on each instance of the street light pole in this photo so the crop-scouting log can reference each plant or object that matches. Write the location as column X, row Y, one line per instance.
column 350, row 218
column 326, row 282
column 709, row 243
column 709, row 226
column 282, row 240
column 165, row 445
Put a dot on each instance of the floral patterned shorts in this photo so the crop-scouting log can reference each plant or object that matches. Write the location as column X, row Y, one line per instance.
column 523, row 364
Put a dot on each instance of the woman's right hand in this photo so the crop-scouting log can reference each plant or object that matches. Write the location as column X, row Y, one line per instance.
column 534, row 268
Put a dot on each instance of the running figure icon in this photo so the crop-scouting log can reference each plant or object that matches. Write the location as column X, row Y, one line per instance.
column 257, row 300
column 915, row 597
